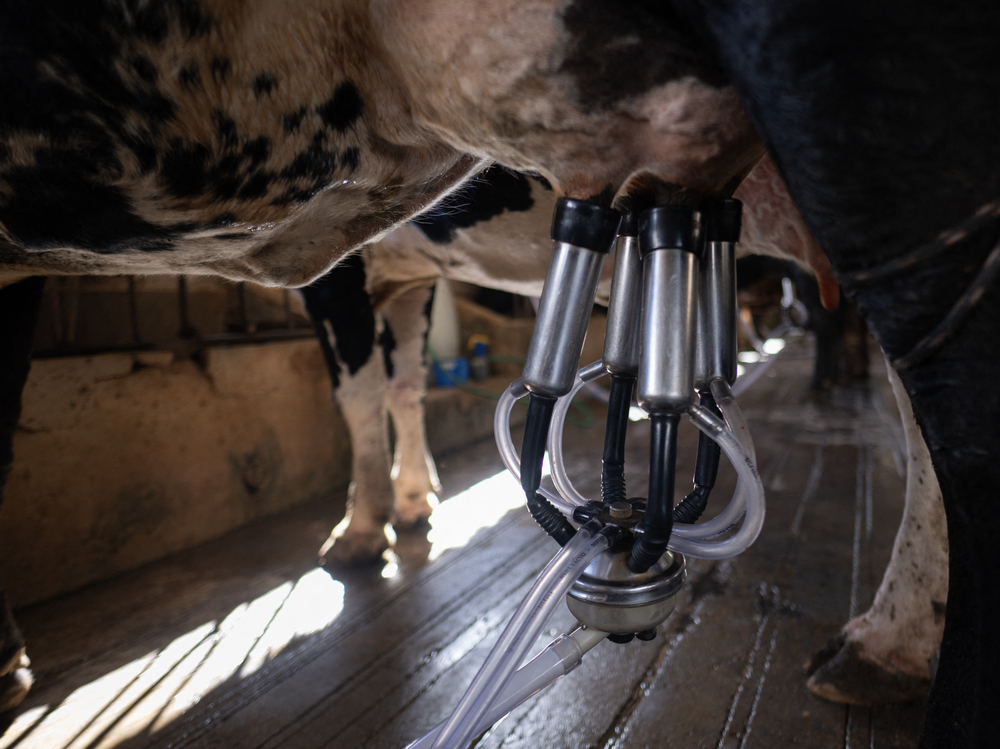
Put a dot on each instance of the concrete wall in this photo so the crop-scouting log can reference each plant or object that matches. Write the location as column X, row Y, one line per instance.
column 121, row 459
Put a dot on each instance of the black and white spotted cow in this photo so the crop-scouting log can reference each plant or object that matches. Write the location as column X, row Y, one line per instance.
column 371, row 316
column 265, row 141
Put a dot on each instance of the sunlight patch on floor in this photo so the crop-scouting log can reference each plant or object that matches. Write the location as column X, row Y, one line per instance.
column 151, row 691
column 482, row 505
column 24, row 723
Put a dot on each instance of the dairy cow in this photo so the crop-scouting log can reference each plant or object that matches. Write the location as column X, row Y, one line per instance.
column 267, row 140
column 371, row 316
column 879, row 116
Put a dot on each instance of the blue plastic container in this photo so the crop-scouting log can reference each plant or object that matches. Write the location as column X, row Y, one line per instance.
column 451, row 372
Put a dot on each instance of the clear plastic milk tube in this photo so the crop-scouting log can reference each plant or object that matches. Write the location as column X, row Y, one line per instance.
column 517, row 638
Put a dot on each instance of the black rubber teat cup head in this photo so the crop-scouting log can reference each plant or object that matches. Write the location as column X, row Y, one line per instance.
column 668, row 227
column 584, row 224
column 629, row 226
column 723, row 220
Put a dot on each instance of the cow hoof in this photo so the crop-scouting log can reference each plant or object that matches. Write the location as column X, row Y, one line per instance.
column 415, row 509
column 353, row 550
column 839, row 673
column 418, row 526
column 16, row 683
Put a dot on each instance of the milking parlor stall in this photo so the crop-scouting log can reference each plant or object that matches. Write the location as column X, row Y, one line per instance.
column 180, row 464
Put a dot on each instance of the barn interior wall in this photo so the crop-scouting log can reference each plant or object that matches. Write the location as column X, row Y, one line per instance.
column 125, row 458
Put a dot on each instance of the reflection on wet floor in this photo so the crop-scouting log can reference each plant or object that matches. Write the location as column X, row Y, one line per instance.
column 245, row 643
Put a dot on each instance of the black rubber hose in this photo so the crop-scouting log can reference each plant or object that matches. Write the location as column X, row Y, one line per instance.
column 692, row 506
column 536, row 430
column 658, row 523
column 613, row 466
column 705, row 472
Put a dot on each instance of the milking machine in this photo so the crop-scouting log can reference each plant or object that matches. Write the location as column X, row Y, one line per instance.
column 671, row 340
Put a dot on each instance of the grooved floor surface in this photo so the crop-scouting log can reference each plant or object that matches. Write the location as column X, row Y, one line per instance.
column 244, row 642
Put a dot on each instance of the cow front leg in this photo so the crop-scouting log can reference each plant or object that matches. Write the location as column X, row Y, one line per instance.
column 884, row 655
column 19, row 305
column 414, row 476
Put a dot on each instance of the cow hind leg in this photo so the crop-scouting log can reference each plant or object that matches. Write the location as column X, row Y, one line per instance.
column 361, row 537
column 884, row 655
column 342, row 311
column 19, row 305
column 414, row 475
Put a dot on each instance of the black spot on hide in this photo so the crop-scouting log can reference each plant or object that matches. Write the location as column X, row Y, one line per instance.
column 350, row 159
column 191, row 169
column 257, row 150
column 141, row 145
column 546, row 185
column 343, row 109
column 189, row 75
column 58, row 203
column 292, row 120
column 426, row 312
column 225, row 127
column 255, row 186
column 264, row 83
column 489, row 195
column 220, row 69
column 152, row 20
column 340, row 300
column 618, row 50
column 310, row 171
column 144, row 68
column 185, row 168
column 604, row 197
column 387, row 342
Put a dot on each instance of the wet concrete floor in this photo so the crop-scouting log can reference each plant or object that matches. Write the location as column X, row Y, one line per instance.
column 244, row 642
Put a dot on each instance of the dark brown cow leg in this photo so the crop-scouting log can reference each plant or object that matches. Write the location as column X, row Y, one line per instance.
column 19, row 305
